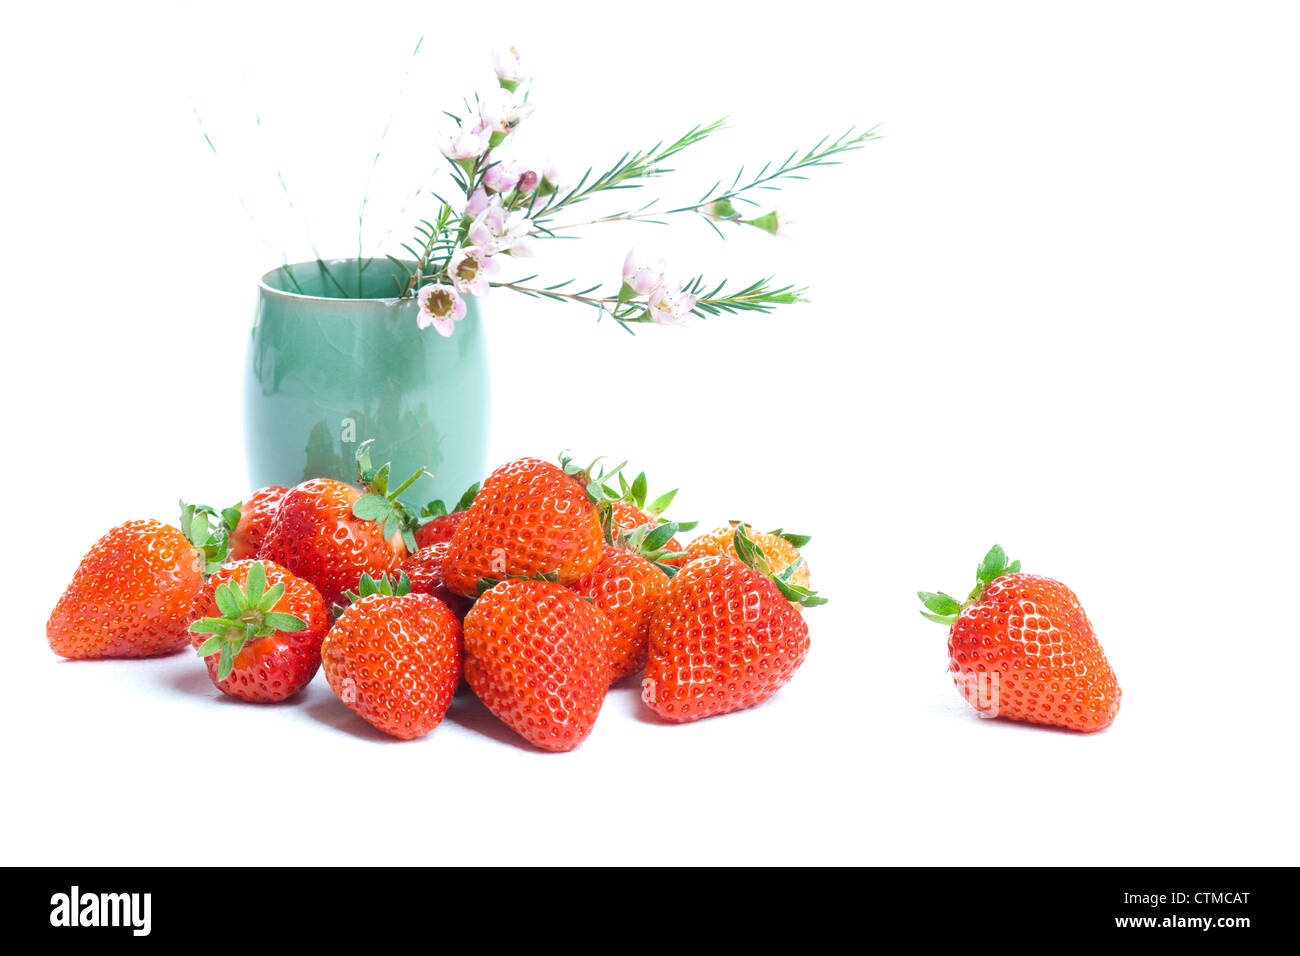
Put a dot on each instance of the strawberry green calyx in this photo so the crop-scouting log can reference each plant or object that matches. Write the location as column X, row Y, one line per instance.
column 384, row 584
column 752, row 555
column 944, row 608
column 379, row 504
column 487, row 584
column 798, row 540
column 209, row 532
column 595, row 480
column 651, row 543
column 636, row 493
column 438, row 508
column 246, row 613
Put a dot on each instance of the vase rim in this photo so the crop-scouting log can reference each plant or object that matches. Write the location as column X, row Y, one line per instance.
column 267, row 289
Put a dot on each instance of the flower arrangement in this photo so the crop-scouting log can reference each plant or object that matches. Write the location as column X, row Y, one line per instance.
column 506, row 209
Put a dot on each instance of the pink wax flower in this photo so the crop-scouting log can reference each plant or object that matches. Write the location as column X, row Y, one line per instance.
column 642, row 274
column 509, row 69
column 527, row 183
column 468, row 141
column 670, row 305
column 521, row 248
column 502, row 113
column 477, row 202
column 551, row 181
column 502, row 176
column 494, row 230
column 440, row 306
column 470, row 269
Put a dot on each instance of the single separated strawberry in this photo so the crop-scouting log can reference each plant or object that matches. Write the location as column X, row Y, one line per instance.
column 332, row 533
column 1021, row 647
column 727, row 635
column 131, row 593
column 259, row 629
column 536, row 654
column 780, row 548
column 437, row 524
column 530, row 518
column 252, row 520
column 394, row 658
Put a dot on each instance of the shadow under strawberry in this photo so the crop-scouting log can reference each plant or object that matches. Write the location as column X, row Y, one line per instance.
column 324, row 708
column 468, row 711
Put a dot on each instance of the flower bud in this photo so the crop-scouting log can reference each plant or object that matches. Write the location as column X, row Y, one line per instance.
column 722, row 210
column 641, row 274
column 509, row 69
column 767, row 222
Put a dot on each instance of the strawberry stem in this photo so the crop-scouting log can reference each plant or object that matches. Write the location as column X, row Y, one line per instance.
column 380, row 505
column 209, row 533
column 944, row 609
column 752, row 556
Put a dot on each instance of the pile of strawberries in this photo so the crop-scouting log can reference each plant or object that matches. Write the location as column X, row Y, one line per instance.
column 541, row 589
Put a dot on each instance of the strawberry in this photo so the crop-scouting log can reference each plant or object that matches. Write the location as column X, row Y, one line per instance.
column 1022, row 648
column 261, row 644
column 530, row 518
column 394, row 658
column 727, row 635
column 626, row 588
column 424, row 569
column 780, row 549
column 439, row 525
column 536, row 654
column 332, row 533
column 254, row 520
column 131, row 593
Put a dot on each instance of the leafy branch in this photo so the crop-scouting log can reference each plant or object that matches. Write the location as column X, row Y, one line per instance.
column 760, row 296
column 643, row 164
column 436, row 249
column 822, row 154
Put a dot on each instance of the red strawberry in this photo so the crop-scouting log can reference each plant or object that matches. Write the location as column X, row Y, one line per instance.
column 537, row 656
column 439, row 530
column 255, row 517
column 424, row 569
column 438, row 524
column 530, row 518
column 626, row 588
column 331, row 533
column 130, row 595
column 395, row 659
column 1021, row 647
column 259, row 629
column 725, row 636
column 316, row 536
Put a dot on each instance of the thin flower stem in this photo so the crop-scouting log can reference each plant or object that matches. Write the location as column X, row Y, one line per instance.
column 756, row 297
column 379, row 150
column 549, row 294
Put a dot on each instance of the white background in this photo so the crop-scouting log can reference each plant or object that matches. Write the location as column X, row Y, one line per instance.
column 1055, row 308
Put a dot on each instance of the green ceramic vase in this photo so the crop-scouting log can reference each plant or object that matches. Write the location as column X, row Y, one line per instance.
column 327, row 372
